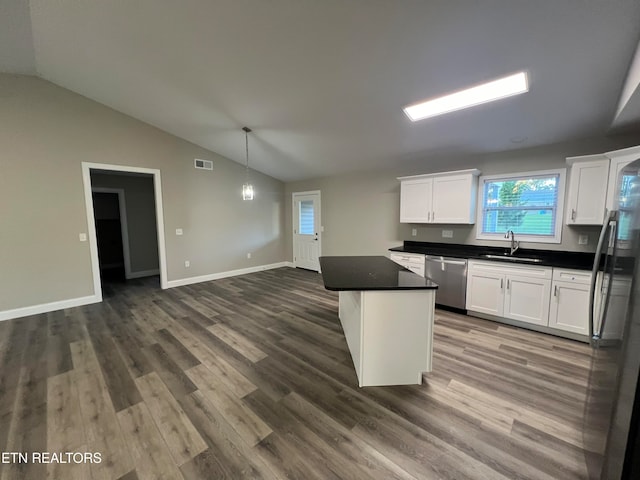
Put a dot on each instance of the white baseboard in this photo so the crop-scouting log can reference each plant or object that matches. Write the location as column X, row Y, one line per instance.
column 230, row 273
column 48, row 307
column 143, row 273
column 77, row 302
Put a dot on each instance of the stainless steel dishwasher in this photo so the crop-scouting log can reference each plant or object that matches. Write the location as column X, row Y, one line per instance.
column 451, row 276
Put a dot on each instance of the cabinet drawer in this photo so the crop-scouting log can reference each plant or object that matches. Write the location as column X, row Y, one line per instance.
column 510, row 269
column 572, row 276
column 407, row 258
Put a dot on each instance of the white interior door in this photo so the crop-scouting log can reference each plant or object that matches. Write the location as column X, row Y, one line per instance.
column 306, row 230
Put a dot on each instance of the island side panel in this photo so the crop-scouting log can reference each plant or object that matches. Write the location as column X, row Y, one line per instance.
column 397, row 336
column 350, row 314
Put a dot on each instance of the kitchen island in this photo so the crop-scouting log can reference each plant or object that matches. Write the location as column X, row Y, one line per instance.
column 387, row 313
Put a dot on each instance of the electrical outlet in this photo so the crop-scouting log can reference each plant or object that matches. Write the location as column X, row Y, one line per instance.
column 583, row 239
column 447, row 233
column 187, row 263
column 414, row 232
column 178, row 231
column 83, row 237
column 248, row 255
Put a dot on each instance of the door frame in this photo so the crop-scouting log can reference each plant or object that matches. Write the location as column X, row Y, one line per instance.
column 124, row 227
column 293, row 222
column 91, row 224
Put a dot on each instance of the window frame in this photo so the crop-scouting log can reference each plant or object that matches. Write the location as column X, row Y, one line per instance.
column 557, row 236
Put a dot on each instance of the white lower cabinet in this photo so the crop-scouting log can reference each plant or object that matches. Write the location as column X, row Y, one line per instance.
column 510, row 291
column 527, row 297
column 569, row 310
column 485, row 290
column 553, row 298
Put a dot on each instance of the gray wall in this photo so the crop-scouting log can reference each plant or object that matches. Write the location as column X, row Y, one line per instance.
column 360, row 212
column 140, row 209
column 46, row 132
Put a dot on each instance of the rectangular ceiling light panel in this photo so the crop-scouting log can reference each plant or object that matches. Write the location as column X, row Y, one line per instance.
column 487, row 92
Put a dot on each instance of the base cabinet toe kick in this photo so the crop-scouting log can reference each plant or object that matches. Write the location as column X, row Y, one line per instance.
column 387, row 314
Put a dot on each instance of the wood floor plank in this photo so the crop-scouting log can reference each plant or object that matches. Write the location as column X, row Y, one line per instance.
column 172, row 375
column 176, row 350
column 246, row 423
column 229, row 456
column 69, row 471
column 65, row 432
column 132, row 475
column 237, row 342
column 27, row 432
column 121, row 387
column 98, row 415
column 356, row 451
column 150, row 454
column 180, row 435
column 234, row 381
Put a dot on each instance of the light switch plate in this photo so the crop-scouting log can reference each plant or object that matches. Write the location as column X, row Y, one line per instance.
column 83, row 237
column 178, row 231
column 187, row 263
column 447, row 233
column 583, row 239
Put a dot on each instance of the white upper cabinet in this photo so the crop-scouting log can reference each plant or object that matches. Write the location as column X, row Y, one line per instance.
column 619, row 160
column 446, row 198
column 587, row 190
column 592, row 187
column 416, row 200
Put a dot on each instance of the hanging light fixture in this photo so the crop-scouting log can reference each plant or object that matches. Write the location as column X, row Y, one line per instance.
column 247, row 188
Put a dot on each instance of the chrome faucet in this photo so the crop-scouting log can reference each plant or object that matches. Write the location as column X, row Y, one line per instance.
column 514, row 245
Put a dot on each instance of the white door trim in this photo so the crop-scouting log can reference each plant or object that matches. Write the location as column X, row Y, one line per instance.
column 124, row 227
column 293, row 224
column 91, row 225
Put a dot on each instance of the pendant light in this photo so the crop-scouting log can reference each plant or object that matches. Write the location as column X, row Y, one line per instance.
column 247, row 188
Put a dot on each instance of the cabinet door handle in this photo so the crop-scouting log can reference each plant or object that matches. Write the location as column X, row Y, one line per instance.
column 555, row 290
column 501, row 283
column 428, row 216
column 508, row 283
column 573, row 214
column 433, row 216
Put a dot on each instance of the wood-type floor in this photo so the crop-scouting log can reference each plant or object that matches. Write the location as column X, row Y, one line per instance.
column 250, row 377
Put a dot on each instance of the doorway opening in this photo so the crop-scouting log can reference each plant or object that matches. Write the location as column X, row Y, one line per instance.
column 109, row 210
column 307, row 230
column 125, row 225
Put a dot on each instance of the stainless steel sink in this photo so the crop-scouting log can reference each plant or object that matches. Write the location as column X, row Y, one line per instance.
column 509, row 258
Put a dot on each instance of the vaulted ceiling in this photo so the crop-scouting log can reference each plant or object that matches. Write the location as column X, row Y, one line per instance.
column 322, row 83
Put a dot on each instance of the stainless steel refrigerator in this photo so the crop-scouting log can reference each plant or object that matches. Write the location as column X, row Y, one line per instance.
column 612, row 409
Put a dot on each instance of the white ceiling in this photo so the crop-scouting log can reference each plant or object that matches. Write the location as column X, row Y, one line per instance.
column 322, row 82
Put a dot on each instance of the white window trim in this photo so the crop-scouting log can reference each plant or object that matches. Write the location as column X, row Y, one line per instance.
column 557, row 237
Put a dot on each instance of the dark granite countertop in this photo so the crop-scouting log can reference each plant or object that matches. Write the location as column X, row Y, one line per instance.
column 547, row 258
column 369, row 273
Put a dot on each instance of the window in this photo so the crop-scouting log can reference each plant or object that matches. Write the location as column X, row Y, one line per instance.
column 530, row 204
column 306, row 219
column 626, row 183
